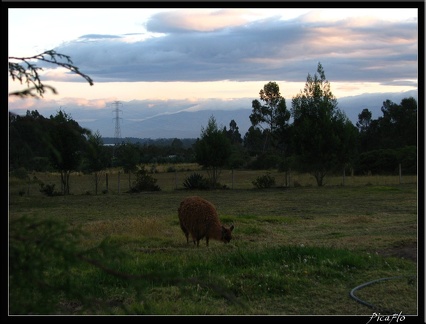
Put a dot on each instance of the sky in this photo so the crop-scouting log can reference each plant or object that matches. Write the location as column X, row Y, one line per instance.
column 200, row 56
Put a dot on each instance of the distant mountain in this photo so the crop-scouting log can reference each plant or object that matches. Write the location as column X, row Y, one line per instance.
column 186, row 142
column 176, row 125
column 137, row 122
column 189, row 124
column 353, row 106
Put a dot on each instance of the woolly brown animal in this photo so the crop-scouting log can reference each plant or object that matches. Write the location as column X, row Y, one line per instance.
column 198, row 218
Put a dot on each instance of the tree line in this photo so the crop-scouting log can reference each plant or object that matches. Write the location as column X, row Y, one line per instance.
column 320, row 140
column 312, row 136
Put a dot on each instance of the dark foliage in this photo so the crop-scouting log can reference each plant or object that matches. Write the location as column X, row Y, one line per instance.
column 265, row 181
column 386, row 161
column 144, row 182
column 25, row 70
column 196, row 181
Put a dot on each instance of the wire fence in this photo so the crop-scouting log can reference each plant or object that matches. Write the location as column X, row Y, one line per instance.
column 117, row 182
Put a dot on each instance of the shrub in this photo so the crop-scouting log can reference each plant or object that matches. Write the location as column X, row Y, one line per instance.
column 48, row 189
column 407, row 156
column 265, row 181
column 386, row 161
column 144, row 182
column 196, row 181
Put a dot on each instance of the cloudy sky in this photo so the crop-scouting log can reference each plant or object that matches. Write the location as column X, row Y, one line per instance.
column 196, row 55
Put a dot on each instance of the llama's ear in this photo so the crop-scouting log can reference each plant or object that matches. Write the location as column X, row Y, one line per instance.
column 232, row 227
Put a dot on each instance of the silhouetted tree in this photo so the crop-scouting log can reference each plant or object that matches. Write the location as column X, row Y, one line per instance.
column 212, row 150
column 96, row 158
column 323, row 135
column 397, row 128
column 128, row 156
column 272, row 116
column 67, row 143
column 233, row 133
column 253, row 141
column 364, row 120
column 399, row 123
column 27, row 141
column 237, row 157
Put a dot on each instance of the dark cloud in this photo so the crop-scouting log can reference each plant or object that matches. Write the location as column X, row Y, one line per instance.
column 269, row 49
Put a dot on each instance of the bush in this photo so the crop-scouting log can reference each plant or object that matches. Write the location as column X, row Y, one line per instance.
column 144, row 182
column 265, row 181
column 48, row 189
column 386, row 161
column 407, row 156
column 196, row 181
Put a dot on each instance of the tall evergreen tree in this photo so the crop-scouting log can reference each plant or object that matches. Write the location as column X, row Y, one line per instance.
column 323, row 135
column 212, row 150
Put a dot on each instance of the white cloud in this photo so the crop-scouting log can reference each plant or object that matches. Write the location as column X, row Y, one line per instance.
column 196, row 20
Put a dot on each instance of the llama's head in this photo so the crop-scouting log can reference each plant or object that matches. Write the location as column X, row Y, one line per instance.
column 227, row 233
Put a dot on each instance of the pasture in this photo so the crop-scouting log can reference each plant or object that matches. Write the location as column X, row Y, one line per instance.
column 295, row 251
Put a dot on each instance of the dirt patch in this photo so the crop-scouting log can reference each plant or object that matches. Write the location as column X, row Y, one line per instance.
column 407, row 251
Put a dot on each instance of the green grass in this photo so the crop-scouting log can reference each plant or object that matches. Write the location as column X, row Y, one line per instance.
column 295, row 251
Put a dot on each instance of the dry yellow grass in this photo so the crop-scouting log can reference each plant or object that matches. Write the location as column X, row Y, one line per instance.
column 118, row 182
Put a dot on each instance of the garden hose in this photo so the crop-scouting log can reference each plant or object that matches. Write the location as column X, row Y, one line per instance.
column 352, row 293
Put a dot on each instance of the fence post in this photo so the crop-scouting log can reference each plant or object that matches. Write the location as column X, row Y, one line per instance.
column 344, row 174
column 232, row 178
column 289, row 177
column 175, row 179
column 118, row 181
column 106, row 181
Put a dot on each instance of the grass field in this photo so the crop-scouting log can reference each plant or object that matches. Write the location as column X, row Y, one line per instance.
column 295, row 250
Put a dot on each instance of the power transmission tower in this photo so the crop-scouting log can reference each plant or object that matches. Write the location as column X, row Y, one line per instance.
column 117, row 133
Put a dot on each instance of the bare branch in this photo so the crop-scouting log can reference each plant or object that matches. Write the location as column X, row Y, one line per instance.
column 28, row 73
